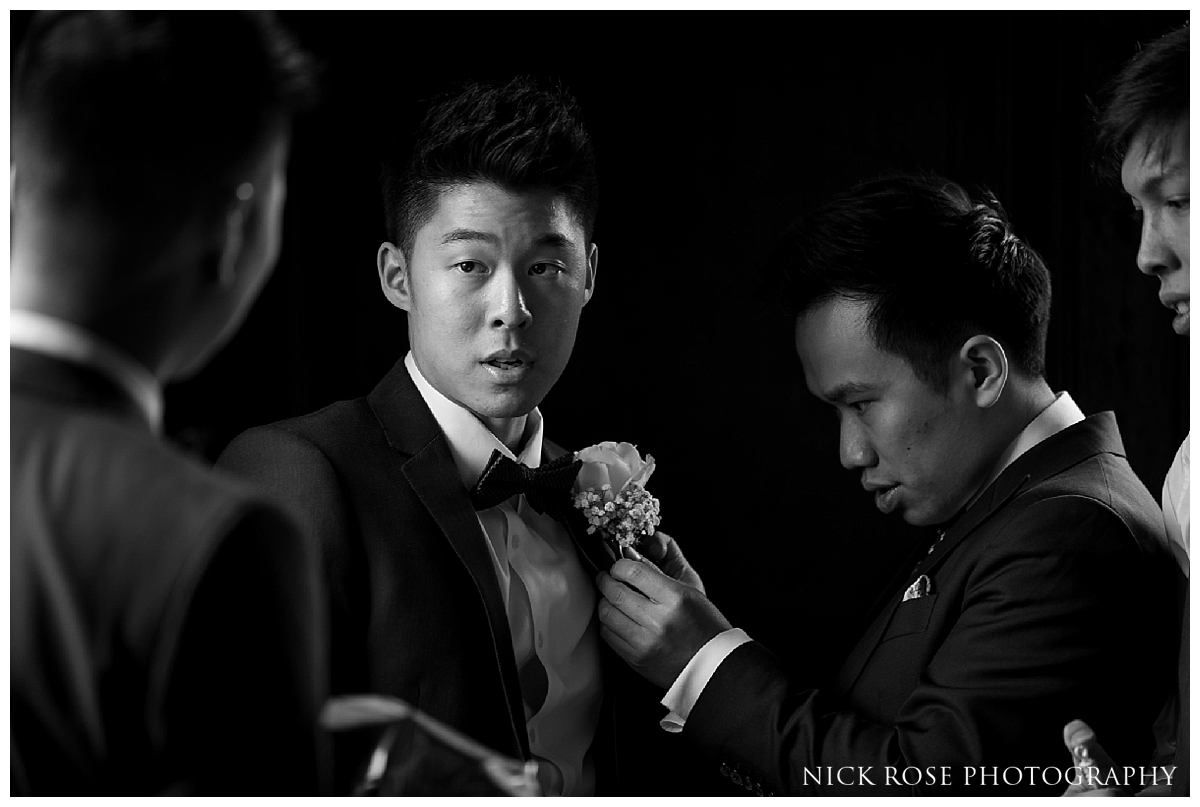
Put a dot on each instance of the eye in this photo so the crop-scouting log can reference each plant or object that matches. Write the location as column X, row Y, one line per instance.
column 543, row 267
column 859, row 406
column 1179, row 203
column 470, row 267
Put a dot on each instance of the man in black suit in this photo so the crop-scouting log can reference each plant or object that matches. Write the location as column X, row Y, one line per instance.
column 480, row 612
column 164, row 618
column 921, row 318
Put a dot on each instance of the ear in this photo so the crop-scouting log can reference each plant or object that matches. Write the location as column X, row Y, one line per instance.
column 589, row 282
column 233, row 236
column 985, row 365
column 393, row 275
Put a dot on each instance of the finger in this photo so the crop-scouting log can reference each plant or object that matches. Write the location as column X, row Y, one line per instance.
column 1077, row 732
column 628, row 601
column 1089, row 756
column 654, row 546
column 645, row 578
column 620, row 623
column 621, row 647
column 632, row 554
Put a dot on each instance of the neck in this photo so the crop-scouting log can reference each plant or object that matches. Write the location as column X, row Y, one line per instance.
column 510, row 431
column 1023, row 400
column 139, row 311
column 1030, row 398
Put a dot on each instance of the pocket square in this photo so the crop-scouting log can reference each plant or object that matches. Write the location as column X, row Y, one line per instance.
column 919, row 588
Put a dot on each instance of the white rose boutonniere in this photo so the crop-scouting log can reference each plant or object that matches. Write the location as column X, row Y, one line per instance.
column 611, row 492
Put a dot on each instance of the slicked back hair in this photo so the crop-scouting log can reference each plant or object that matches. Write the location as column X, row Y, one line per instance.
column 518, row 135
column 935, row 265
column 1151, row 92
column 141, row 115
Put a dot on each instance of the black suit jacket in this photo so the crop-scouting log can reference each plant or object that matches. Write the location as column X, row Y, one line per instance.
column 416, row 609
column 1048, row 602
column 164, row 626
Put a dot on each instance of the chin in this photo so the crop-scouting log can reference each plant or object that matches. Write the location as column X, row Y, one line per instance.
column 506, row 405
column 923, row 518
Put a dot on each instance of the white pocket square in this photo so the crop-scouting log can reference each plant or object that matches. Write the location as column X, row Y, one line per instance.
column 919, row 588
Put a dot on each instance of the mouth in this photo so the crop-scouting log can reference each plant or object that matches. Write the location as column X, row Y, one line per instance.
column 508, row 365
column 886, row 496
column 1182, row 307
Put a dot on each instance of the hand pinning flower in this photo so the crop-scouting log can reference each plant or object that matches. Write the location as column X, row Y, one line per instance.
column 611, row 491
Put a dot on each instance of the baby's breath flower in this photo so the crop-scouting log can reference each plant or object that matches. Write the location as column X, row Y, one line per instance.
column 622, row 518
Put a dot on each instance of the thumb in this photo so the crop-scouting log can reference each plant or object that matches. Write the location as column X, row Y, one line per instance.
column 643, row 576
column 1085, row 749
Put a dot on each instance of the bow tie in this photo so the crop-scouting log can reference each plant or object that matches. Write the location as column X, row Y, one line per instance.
column 547, row 488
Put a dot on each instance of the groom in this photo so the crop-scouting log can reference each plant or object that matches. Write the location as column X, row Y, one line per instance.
column 921, row 319
column 477, row 609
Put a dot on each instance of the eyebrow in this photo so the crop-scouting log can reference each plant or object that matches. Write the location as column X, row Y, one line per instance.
column 848, row 390
column 454, row 236
column 1168, row 172
column 546, row 240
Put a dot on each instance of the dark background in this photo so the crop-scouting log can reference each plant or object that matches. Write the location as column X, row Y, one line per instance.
column 714, row 131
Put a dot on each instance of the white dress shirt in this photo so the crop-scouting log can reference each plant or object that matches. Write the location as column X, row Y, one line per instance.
column 549, row 598
column 64, row 340
column 684, row 693
column 1177, row 511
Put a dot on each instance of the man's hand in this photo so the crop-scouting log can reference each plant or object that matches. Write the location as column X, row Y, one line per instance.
column 654, row 623
column 663, row 552
column 1092, row 763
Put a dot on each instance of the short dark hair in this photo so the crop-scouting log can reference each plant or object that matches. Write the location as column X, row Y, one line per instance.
column 517, row 134
column 1151, row 93
column 131, row 111
column 935, row 265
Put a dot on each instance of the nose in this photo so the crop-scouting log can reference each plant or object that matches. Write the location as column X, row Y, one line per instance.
column 510, row 308
column 1155, row 254
column 854, row 447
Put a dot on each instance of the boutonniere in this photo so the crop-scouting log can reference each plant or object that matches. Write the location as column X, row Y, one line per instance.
column 610, row 491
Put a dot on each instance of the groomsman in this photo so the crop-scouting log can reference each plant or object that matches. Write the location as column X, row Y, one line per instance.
column 1143, row 139
column 478, row 609
column 921, row 318
column 163, row 617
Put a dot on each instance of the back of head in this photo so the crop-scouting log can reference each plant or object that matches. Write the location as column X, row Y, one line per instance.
column 936, row 265
column 1150, row 93
column 134, row 118
column 517, row 135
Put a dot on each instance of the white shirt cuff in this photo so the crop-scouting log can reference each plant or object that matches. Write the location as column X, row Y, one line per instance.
column 684, row 693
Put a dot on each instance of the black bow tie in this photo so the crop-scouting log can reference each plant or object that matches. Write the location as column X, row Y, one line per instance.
column 547, row 488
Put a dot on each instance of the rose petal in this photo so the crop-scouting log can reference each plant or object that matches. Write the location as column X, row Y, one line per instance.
column 629, row 455
column 602, row 452
column 643, row 474
column 592, row 476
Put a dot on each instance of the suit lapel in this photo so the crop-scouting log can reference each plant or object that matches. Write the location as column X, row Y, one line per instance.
column 430, row 470
column 1094, row 435
column 1097, row 434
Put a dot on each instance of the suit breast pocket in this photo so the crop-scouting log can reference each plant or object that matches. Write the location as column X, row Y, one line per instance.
column 911, row 616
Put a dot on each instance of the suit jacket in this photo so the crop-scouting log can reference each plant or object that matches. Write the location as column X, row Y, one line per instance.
column 1047, row 600
column 164, row 631
column 416, row 609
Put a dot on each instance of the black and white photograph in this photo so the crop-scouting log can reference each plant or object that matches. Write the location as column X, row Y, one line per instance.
column 600, row 402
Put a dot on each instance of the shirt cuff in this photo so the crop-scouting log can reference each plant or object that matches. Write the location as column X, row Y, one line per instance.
column 684, row 693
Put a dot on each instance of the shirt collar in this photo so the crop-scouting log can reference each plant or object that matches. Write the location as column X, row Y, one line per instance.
column 471, row 443
column 1059, row 415
column 64, row 340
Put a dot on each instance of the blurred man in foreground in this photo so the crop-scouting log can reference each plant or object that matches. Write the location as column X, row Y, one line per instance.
column 164, row 631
